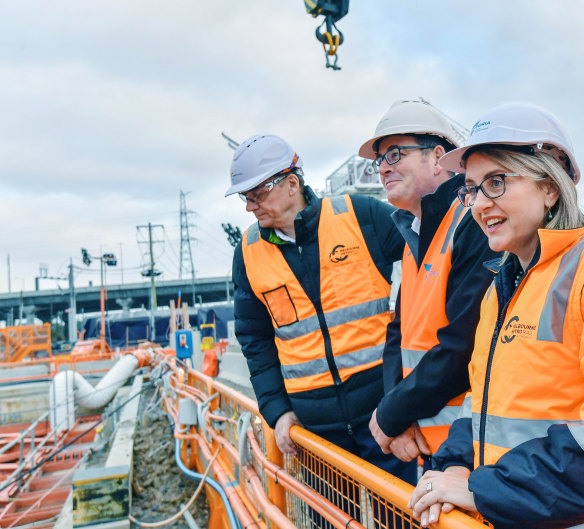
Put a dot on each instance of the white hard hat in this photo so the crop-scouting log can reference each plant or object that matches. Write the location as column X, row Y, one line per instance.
column 257, row 159
column 518, row 124
column 410, row 117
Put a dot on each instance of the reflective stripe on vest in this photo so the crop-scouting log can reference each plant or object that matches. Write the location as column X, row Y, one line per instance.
column 466, row 408
column 334, row 318
column 353, row 294
column 445, row 416
column 423, row 309
column 551, row 321
column 535, row 380
column 506, row 432
column 320, row 365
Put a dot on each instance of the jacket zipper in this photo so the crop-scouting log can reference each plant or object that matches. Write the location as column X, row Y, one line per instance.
column 329, row 350
column 482, row 426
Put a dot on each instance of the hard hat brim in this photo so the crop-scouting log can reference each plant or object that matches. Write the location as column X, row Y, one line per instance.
column 242, row 187
column 366, row 150
column 452, row 161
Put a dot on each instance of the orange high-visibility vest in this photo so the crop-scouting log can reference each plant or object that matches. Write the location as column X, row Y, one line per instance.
column 530, row 374
column 354, row 298
column 423, row 312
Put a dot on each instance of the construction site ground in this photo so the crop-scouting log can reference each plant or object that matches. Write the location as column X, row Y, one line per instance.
column 159, row 488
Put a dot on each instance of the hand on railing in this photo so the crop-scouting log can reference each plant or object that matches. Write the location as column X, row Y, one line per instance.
column 282, row 432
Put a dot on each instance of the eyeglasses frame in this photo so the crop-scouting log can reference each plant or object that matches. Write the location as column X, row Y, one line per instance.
column 269, row 185
column 471, row 188
column 378, row 160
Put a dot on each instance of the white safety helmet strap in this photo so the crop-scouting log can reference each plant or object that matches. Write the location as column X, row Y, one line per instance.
column 258, row 158
column 518, row 124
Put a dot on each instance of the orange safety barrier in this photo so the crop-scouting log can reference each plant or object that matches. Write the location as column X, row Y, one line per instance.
column 23, row 341
column 210, row 362
column 322, row 486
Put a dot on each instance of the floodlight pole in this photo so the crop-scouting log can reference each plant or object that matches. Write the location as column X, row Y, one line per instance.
column 72, row 306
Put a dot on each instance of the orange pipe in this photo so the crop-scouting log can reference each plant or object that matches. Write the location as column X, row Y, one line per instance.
column 388, row 487
column 225, row 480
column 333, row 514
column 246, row 473
column 234, row 499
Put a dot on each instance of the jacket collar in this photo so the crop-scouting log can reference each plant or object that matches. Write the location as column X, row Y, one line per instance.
column 434, row 207
column 554, row 242
column 551, row 243
column 436, row 203
column 305, row 223
column 439, row 202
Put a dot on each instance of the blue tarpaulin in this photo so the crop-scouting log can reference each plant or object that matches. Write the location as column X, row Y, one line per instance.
column 130, row 330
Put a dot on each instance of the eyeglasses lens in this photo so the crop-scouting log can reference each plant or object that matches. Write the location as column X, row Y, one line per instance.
column 494, row 186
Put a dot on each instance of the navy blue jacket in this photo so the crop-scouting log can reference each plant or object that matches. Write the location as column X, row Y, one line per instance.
column 338, row 407
column 442, row 374
column 539, row 483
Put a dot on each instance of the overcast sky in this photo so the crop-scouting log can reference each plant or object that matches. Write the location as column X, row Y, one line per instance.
column 108, row 109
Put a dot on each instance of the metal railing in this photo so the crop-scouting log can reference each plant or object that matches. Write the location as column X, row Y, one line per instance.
column 22, row 341
column 322, row 486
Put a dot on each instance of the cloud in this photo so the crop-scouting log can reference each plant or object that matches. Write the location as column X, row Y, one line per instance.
column 109, row 109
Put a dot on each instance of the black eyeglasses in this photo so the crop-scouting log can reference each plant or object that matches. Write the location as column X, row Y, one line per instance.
column 393, row 155
column 260, row 193
column 492, row 186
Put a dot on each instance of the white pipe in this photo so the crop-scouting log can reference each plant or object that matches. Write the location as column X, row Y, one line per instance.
column 69, row 388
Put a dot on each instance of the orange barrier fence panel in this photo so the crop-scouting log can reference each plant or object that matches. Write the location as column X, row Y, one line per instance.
column 23, row 341
column 323, row 486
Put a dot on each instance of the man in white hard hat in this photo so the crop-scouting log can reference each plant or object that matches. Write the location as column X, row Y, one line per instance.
column 430, row 341
column 312, row 282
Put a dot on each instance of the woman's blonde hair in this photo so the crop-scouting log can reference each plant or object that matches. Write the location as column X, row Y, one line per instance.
column 541, row 167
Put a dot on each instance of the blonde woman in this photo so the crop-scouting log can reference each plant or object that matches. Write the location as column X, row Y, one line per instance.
column 516, row 455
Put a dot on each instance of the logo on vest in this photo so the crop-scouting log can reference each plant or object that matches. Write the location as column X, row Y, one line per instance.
column 514, row 328
column 430, row 275
column 340, row 253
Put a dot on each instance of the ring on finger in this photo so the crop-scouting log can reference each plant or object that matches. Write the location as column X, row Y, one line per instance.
column 429, row 486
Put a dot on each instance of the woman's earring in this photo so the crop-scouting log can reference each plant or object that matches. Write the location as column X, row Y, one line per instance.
column 549, row 214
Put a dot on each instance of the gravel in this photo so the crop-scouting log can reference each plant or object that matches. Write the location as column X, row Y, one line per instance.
column 159, row 488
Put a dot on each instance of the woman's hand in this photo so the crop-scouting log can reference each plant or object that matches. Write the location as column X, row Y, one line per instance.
column 440, row 492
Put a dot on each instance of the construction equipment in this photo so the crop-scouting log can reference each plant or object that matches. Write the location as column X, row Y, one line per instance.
column 331, row 38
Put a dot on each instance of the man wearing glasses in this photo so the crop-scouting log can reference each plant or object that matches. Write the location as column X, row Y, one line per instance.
column 430, row 341
column 312, row 286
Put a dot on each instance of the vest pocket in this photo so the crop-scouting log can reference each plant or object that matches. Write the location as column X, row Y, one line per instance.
column 352, row 283
column 280, row 305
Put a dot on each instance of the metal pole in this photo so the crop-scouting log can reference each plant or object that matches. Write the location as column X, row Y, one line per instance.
column 102, row 308
column 102, row 329
column 20, row 457
column 72, row 306
column 153, row 301
column 122, row 263
column 8, row 266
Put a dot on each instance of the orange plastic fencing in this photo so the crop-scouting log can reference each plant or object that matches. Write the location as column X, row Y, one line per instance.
column 322, row 486
column 22, row 341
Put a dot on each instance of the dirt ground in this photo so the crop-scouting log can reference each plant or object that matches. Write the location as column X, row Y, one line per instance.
column 159, row 488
